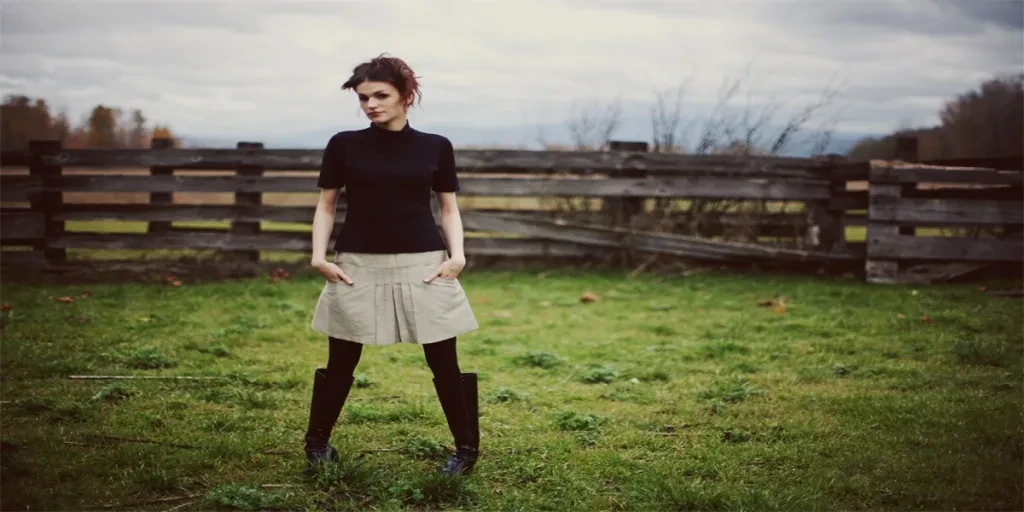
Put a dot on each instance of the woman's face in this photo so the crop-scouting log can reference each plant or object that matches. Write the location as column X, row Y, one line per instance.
column 380, row 101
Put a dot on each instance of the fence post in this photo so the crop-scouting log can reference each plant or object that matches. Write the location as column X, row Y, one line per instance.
column 625, row 211
column 156, row 198
column 907, row 151
column 835, row 235
column 880, row 271
column 50, row 200
column 827, row 225
column 248, row 199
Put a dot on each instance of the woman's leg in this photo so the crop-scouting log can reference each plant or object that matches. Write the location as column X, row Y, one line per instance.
column 459, row 408
column 330, row 390
column 343, row 357
column 442, row 358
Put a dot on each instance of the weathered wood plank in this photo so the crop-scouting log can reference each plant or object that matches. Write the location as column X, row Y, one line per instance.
column 888, row 246
column 703, row 187
column 849, row 200
column 22, row 225
column 879, row 269
column 465, row 159
column 22, row 258
column 248, row 199
column 939, row 272
column 21, row 188
column 160, row 198
column 946, row 212
column 857, row 171
column 97, row 183
column 1007, row 163
column 1001, row 193
column 199, row 239
column 641, row 241
column 768, row 225
column 530, row 247
column 589, row 236
column 898, row 172
column 694, row 187
column 50, row 199
column 181, row 212
column 192, row 239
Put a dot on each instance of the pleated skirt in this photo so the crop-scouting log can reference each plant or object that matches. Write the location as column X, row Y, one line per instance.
column 389, row 303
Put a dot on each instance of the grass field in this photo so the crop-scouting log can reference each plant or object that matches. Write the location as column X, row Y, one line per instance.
column 674, row 395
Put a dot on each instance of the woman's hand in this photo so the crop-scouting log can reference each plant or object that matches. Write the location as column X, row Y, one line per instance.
column 450, row 269
column 331, row 271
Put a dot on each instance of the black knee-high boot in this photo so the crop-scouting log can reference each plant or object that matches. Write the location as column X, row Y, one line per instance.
column 460, row 411
column 329, row 395
column 471, row 399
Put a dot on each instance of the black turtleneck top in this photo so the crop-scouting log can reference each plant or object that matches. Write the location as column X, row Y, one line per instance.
column 388, row 177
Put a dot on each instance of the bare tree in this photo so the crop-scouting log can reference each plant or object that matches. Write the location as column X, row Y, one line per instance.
column 821, row 138
column 733, row 128
column 716, row 123
column 666, row 115
column 592, row 124
column 797, row 121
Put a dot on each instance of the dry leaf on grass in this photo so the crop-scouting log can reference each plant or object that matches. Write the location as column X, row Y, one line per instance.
column 503, row 314
column 65, row 299
column 589, row 297
column 5, row 306
column 278, row 274
column 777, row 305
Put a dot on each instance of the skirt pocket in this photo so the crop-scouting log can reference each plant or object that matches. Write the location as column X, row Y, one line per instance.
column 442, row 310
column 347, row 311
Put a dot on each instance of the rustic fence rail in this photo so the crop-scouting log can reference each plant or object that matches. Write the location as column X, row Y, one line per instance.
column 898, row 206
column 634, row 188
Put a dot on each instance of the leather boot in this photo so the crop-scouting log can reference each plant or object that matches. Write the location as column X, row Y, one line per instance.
column 451, row 394
column 471, row 399
column 329, row 395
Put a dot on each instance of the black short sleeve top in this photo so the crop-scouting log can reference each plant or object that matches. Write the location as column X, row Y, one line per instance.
column 388, row 177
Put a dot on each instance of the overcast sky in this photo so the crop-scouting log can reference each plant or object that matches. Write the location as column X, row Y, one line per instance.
column 259, row 70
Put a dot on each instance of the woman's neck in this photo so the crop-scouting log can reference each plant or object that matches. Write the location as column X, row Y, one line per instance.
column 395, row 125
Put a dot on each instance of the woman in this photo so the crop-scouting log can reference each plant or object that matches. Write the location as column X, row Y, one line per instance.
column 391, row 280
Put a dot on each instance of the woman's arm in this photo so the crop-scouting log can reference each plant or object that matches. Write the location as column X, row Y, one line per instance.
column 451, row 224
column 323, row 223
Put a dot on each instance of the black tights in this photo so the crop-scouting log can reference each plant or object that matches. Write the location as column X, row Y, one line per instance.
column 441, row 357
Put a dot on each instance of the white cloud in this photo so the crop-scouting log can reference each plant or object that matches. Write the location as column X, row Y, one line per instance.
column 245, row 70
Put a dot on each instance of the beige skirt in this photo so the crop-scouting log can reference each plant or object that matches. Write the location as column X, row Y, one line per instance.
column 388, row 302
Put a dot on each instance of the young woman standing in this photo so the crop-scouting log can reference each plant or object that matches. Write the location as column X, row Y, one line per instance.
column 392, row 280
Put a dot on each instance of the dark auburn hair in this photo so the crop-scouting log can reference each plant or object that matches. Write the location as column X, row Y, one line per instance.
column 387, row 69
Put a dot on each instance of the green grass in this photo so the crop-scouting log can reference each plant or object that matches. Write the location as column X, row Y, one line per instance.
column 674, row 395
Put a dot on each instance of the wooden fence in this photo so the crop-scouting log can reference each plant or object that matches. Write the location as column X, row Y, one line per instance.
column 981, row 207
column 638, row 214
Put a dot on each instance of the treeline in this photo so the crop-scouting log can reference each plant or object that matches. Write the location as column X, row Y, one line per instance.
column 23, row 119
column 987, row 122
